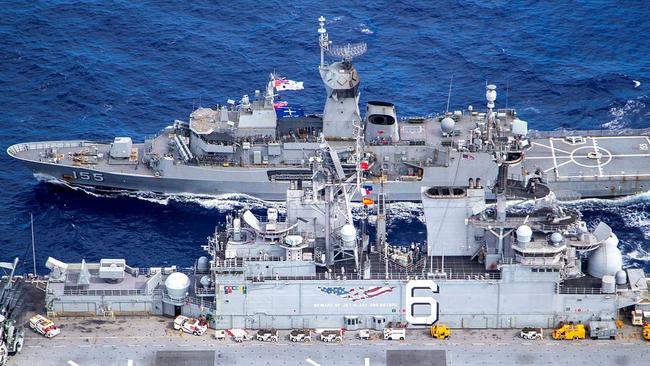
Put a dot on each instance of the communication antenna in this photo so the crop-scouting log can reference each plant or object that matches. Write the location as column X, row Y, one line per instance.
column 449, row 95
column 31, row 219
column 323, row 40
column 348, row 51
column 507, row 91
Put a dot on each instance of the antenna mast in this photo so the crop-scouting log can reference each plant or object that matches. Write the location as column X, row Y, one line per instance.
column 449, row 95
column 31, row 219
column 323, row 40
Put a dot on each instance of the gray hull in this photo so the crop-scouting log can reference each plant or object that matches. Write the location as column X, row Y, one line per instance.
column 568, row 174
column 212, row 181
column 508, row 302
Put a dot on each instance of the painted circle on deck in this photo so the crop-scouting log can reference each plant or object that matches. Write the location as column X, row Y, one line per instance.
column 586, row 155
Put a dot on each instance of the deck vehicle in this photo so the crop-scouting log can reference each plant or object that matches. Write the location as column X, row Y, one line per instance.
column 189, row 325
column 44, row 326
column 300, row 335
column 532, row 333
column 569, row 331
column 267, row 335
column 440, row 331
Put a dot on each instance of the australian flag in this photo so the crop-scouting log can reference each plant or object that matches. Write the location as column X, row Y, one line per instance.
column 356, row 293
column 289, row 111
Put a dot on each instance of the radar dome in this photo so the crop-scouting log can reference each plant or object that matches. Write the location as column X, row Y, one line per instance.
column 177, row 285
column 621, row 277
column 205, row 281
column 556, row 238
column 447, row 125
column 348, row 233
column 606, row 260
column 524, row 233
column 202, row 264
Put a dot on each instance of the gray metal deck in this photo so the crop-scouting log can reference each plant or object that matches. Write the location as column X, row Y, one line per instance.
column 593, row 157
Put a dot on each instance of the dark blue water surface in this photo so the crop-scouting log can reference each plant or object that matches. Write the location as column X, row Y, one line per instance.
column 97, row 69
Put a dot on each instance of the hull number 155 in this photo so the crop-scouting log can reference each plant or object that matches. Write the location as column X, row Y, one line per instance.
column 97, row 177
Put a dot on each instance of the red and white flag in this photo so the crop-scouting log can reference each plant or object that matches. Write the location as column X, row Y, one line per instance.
column 284, row 84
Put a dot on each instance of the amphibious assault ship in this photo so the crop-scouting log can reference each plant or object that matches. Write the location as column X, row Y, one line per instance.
column 313, row 266
column 243, row 147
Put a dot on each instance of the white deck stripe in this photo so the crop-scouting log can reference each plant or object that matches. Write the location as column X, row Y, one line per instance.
column 557, row 166
column 312, row 362
column 600, row 165
column 550, row 147
column 554, row 159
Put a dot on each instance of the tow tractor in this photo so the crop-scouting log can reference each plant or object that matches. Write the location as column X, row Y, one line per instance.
column 395, row 334
column 190, row 325
column 331, row 336
column 569, row 331
column 531, row 333
column 440, row 331
column 239, row 335
column 44, row 326
column 267, row 335
column 220, row 334
column 300, row 335
column 364, row 334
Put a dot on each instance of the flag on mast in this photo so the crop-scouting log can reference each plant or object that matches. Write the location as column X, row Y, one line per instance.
column 284, row 84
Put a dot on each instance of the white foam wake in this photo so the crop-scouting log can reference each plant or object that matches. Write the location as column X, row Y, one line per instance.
column 621, row 115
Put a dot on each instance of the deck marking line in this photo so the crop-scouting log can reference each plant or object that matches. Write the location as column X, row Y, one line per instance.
column 312, row 362
column 557, row 172
column 557, row 166
column 550, row 147
column 600, row 166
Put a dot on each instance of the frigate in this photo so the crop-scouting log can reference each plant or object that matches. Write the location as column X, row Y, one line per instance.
column 310, row 264
column 245, row 147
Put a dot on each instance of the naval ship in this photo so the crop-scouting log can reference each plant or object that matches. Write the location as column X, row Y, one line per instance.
column 244, row 147
column 310, row 265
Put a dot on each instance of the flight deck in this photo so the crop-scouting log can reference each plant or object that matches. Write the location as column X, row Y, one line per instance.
column 605, row 164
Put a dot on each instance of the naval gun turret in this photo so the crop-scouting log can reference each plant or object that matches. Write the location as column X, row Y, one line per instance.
column 342, row 86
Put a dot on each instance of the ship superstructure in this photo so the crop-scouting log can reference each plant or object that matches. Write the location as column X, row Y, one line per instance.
column 243, row 147
column 310, row 266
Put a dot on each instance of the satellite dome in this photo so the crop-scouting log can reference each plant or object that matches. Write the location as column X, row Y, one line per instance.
column 621, row 277
column 202, row 264
column 205, row 281
column 447, row 125
column 556, row 238
column 348, row 233
column 606, row 260
column 524, row 233
column 177, row 285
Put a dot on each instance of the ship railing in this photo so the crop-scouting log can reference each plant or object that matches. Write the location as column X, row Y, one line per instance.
column 482, row 276
column 105, row 292
column 187, row 300
column 560, row 289
column 562, row 133
column 625, row 175
column 47, row 145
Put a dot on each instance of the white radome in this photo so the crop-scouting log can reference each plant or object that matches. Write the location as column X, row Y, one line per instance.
column 177, row 285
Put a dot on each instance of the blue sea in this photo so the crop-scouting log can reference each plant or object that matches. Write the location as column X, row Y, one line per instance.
column 97, row 69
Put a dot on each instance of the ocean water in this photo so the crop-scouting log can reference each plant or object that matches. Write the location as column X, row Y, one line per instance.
column 94, row 70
